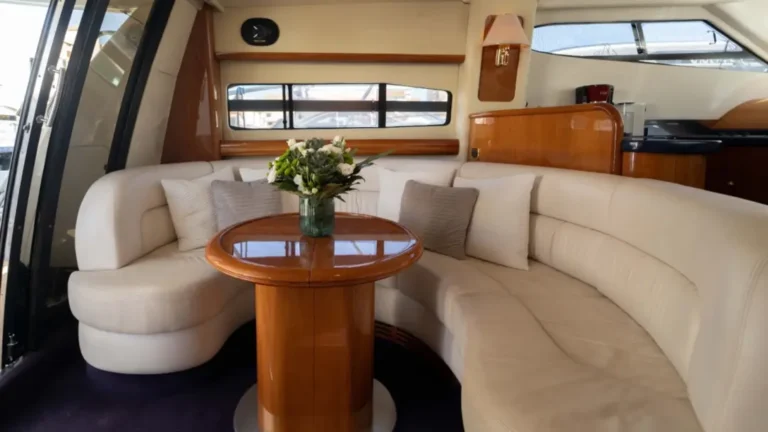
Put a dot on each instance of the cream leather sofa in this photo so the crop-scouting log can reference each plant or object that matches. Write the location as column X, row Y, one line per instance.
column 645, row 307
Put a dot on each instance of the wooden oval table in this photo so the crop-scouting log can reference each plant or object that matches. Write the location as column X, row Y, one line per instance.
column 314, row 319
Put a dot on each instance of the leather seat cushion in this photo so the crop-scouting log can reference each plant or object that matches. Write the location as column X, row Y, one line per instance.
column 544, row 351
column 164, row 291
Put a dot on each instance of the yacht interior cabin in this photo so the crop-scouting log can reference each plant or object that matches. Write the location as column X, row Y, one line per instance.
column 384, row 215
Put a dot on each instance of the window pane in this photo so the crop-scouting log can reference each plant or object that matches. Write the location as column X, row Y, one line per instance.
column 686, row 37
column 335, row 120
column 256, row 119
column 415, row 106
column 263, row 118
column 401, row 119
column 599, row 39
column 323, row 106
column 749, row 65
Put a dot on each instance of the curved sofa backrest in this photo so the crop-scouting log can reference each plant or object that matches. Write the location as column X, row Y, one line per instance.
column 688, row 265
column 124, row 215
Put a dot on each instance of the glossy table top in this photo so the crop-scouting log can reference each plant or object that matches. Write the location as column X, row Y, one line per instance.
column 272, row 251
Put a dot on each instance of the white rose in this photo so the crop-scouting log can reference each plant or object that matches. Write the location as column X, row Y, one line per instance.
column 310, row 150
column 330, row 148
column 346, row 169
column 303, row 152
column 314, row 190
column 272, row 175
column 291, row 142
column 304, row 190
column 298, row 180
column 338, row 139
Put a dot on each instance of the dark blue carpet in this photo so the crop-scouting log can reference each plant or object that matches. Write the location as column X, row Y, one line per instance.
column 67, row 395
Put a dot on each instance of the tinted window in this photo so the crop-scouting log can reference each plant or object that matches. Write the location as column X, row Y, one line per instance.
column 335, row 106
column 676, row 43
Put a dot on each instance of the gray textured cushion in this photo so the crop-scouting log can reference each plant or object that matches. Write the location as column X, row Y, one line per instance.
column 235, row 202
column 439, row 215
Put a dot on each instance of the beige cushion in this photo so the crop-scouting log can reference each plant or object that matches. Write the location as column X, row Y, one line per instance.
column 164, row 291
column 235, row 202
column 252, row 174
column 439, row 216
column 499, row 229
column 392, row 184
column 191, row 207
column 546, row 352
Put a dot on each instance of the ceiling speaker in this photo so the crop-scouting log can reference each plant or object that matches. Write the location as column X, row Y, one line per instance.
column 260, row 31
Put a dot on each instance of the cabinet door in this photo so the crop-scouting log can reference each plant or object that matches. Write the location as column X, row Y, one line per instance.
column 739, row 171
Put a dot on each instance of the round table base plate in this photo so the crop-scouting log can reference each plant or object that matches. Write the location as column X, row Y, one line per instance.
column 384, row 414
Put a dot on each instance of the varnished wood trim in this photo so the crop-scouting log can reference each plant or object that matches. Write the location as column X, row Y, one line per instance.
column 364, row 147
column 548, row 137
column 342, row 57
column 749, row 115
column 193, row 132
column 606, row 107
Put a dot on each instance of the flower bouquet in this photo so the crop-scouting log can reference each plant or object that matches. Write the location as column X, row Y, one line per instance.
column 318, row 172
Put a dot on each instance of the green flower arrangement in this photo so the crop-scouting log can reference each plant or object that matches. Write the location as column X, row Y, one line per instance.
column 318, row 170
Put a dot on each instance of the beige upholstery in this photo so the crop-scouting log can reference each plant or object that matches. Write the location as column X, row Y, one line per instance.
column 645, row 307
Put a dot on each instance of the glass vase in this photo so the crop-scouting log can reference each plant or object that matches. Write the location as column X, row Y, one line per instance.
column 317, row 217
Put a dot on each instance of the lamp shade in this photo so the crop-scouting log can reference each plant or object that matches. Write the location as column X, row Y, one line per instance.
column 506, row 30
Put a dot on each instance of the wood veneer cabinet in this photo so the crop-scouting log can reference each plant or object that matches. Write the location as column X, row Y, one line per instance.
column 685, row 169
column 739, row 171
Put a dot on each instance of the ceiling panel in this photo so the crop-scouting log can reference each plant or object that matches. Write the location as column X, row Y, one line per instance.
column 245, row 3
column 563, row 4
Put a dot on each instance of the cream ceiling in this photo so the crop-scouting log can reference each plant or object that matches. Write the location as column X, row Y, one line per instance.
column 242, row 3
column 562, row 4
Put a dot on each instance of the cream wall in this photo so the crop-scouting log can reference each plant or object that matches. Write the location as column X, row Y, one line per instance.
column 149, row 132
column 670, row 92
column 402, row 28
column 469, row 74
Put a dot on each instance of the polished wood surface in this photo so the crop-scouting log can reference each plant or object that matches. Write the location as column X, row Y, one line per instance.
column 688, row 170
column 342, row 57
column 314, row 314
column 751, row 115
column 364, row 147
column 315, row 357
column 739, row 172
column 194, row 123
column 497, row 83
column 580, row 137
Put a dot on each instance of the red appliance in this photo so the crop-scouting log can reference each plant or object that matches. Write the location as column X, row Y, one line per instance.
column 594, row 93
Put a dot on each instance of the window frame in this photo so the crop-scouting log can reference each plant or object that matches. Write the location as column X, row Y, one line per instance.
column 380, row 106
column 643, row 57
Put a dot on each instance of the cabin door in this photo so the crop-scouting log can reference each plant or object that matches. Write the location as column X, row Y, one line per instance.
column 87, row 73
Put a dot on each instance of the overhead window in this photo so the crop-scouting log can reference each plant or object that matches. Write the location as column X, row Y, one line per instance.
column 677, row 43
column 335, row 106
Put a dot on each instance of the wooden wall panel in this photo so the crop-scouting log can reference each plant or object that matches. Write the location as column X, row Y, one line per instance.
column 751, row 115
column 343, row 57
column 688, row 170
column 497, row 83
column 194, row 124
column 580, row 137
column 364, row 147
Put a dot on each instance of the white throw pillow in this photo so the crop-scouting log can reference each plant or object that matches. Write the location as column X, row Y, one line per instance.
column 290, row 202
column 250, row 174
column 392, row 185
column 499, row 229
column 191, row 207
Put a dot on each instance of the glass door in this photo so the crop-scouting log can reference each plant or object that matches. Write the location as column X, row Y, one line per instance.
column 85, row 69
column 35, row 118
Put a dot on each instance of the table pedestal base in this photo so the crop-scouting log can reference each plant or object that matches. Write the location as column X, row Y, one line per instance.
column 384, row 414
